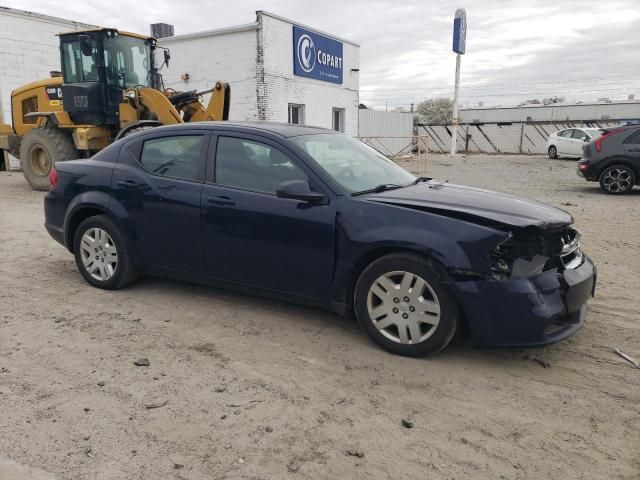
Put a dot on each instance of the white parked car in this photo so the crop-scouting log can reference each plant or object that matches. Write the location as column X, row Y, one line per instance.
column 569, row 142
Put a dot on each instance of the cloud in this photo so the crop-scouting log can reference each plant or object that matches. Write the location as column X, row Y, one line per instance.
column 579, row 49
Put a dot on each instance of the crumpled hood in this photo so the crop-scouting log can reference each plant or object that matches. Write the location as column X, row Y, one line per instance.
column 471, row 202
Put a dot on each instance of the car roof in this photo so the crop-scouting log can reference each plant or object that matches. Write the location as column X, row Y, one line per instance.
column 281, row 129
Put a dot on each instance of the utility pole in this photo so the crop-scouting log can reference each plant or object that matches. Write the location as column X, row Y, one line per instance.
column 459, row 47
column 454, row 129
column 411, row 107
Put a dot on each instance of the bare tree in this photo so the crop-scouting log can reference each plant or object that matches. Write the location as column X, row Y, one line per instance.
column 436, row 111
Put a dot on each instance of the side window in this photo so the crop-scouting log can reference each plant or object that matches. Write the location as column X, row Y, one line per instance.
column 565, row 133
column 579, row 134
column 177, row 157
column 253, row 165
column 633, row 139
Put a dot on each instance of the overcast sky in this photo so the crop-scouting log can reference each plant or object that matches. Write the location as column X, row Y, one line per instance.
column 516, row 49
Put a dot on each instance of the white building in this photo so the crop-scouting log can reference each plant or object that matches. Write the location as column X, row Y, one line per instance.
column 278, row 70
column 29, row 50
column 558, row 112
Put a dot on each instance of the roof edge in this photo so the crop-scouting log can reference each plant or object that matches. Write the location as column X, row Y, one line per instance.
column 307, row 27
column 42, row 16
column 207, row 33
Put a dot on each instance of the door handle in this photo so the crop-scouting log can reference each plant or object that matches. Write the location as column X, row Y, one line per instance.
column 221, row 200
column 128, row 184
column 634, row 149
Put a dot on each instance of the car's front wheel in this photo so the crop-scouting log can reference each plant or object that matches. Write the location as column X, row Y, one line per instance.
column 553, row 152
column 102, row 254
column 403, row 305
column 617, row 179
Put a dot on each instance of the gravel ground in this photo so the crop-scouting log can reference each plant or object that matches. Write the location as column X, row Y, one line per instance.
column 251, row 388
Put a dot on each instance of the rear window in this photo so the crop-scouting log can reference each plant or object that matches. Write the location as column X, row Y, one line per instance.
column 108, row 154
column 594, row 132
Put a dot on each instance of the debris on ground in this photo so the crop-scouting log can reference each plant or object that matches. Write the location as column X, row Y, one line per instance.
column 355, row 452
column 542, row 362
column 293, row 467
column 101, row 383
column 466, row 441
column 408, row 423
column 629, row 359
column 177, row 466
column 268, row 429
column 155, row 404
column 142, row 362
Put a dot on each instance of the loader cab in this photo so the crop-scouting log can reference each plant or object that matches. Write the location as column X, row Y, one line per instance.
column 97, row 65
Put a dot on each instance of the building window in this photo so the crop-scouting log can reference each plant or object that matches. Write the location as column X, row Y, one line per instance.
column 338, row 119
column 296, row 114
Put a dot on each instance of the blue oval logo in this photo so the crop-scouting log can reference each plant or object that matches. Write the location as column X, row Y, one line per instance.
column 306, row 53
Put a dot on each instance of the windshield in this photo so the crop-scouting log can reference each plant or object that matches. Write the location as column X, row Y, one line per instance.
column 351, row 163
column 127, row 61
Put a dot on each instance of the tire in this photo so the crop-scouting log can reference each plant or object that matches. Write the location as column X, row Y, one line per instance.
column 394, row 271
column 40, row 149
column 553, row 152
column 115, row 275
column 617, row 179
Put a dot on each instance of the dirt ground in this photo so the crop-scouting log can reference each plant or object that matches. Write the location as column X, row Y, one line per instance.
column 255, row 389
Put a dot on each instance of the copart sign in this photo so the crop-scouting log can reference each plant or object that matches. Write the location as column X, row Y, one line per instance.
column 316, row 56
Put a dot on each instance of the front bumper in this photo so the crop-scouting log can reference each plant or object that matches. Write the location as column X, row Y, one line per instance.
column 529, row 312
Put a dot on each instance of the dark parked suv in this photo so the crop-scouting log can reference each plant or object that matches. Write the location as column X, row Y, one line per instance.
column 613, row 159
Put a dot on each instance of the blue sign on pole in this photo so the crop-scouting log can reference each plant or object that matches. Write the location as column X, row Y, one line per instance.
column 460, row 31
column 316, row 56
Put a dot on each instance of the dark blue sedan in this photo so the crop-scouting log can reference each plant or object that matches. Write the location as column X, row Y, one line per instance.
column 313, row 216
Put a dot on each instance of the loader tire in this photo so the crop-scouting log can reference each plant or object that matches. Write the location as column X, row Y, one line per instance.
column 40, row 149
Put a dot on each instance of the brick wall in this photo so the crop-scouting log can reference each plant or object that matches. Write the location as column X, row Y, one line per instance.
column 207, row 57
column 28, row 50
column 281, row 87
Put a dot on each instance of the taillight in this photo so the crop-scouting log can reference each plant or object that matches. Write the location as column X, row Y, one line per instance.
column 598, row 141
column 583, row 166
column 53, row 179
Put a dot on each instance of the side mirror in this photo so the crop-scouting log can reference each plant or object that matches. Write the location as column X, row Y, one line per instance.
column 299, row 190
column 585, row 139
column 86, row 45
column 167, row 57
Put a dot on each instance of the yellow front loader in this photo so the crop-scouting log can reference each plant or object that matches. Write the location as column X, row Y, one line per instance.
column 109, row 87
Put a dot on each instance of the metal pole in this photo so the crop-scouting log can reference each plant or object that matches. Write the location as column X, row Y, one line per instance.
column 454, row 132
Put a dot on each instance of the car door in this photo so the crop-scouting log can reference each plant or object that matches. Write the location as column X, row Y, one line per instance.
column 253, row 237
column 158, row 181
column 578, row 140
column 564, row 146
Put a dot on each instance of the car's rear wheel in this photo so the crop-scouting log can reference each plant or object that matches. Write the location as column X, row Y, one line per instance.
column 403, row 305
column 102, row 254
column 553, row 152
column 617, row 179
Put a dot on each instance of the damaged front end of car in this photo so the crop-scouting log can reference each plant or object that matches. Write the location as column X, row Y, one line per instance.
column 533, row 292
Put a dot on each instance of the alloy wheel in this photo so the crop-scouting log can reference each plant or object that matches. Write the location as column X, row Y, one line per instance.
column 99, row 254
column 403, row 307
column 617, row 179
